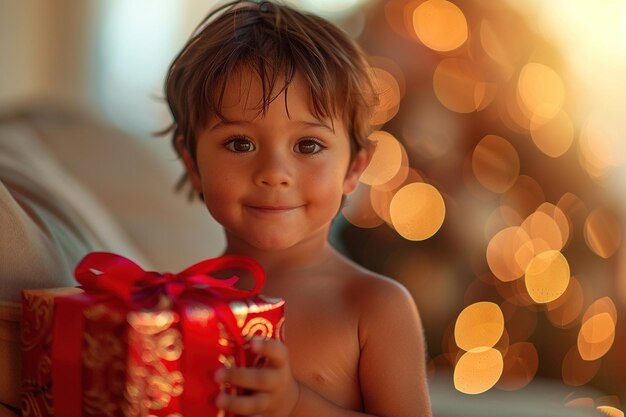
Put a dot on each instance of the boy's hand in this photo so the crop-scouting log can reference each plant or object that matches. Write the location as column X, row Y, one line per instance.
column 275, row 391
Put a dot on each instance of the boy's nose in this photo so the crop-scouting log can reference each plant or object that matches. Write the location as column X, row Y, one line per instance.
column 273, row 170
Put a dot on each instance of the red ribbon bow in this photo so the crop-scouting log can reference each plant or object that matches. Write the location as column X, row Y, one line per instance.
column 103, row 274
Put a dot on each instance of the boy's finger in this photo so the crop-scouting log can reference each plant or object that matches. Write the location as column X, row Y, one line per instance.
column 274, row 350
column 245, row 405
column 263, row 379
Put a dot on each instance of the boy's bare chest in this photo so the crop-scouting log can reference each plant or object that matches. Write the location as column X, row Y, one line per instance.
column 323, row 344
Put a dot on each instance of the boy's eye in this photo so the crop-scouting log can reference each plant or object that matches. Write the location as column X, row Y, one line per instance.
column 240, row 144
column 308, row 146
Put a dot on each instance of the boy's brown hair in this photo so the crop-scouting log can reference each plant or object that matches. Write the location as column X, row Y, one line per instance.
column 274, row 41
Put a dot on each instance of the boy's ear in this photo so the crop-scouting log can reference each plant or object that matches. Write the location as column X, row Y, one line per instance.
column 360, row 161
column 190, row 165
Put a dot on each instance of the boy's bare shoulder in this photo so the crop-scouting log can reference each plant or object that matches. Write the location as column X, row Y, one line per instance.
column 385, row 309
column 372, row 292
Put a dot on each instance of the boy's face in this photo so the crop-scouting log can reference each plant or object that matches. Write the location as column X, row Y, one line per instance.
column 276, row 180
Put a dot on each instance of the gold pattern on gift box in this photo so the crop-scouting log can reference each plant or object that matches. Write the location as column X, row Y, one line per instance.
column 201, row 314
column 151, row 386
column 98, row 311
column 223, row 333
column 30, row 406
column 103, row 357
column 39, row 311
column 151, row 322
column 100, row 349
column 227, row 361
column 275, row 302
column 147, row 392
column 240, row 311
column 44, row 370
column 258, row 326
column 224, row 338
column 280, row 329
column 169, row 345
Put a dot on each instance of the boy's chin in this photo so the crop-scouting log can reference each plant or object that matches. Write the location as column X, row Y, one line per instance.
column 268, row 244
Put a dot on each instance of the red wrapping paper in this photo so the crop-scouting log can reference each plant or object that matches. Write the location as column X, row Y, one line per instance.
column 136, row 343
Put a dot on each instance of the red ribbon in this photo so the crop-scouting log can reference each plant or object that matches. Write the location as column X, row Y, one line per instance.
column 103, row 275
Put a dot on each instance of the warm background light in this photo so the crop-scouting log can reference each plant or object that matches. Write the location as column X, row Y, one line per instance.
column 547, row 276
column 386, row 160
column 499, row 176
column 440, row 24
column 478, row 370
column 417, row 211
column 553, row 136
column 565, row 310
column 479, row 325
column 358, row 209
column 603, row 232
column 597, row 332
column 388, row 91
column 508, row 253
column 610, row 411
column 458, row 85
column 495, row 163
column 541, row 91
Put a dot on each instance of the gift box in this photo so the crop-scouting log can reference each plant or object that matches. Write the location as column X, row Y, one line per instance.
column 130, row 342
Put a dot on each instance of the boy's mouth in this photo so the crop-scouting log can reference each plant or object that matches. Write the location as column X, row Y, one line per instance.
column 272, row 209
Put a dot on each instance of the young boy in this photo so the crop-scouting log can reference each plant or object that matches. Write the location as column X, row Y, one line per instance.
column 270, row 111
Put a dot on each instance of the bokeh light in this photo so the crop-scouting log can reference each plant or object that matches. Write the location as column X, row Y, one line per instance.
column 543, row 231
column 603, row 232
column 459, row 87
column 507, row 253
column 554, row 136
column 358, row 209
column 495, row 163
column 596, row 336
column 417, row 211
column 380, row 201
column 495, row 47
column 401, row 175
column 610, row 411
column 440, row 25
column 560, row 218
column 388, row 91
column 478, row 370
column 479, row 325
column 541, row 91
column 597, row 332
column 582, row 402
column 386, row 160
column 564, row 311
column 547, row 276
